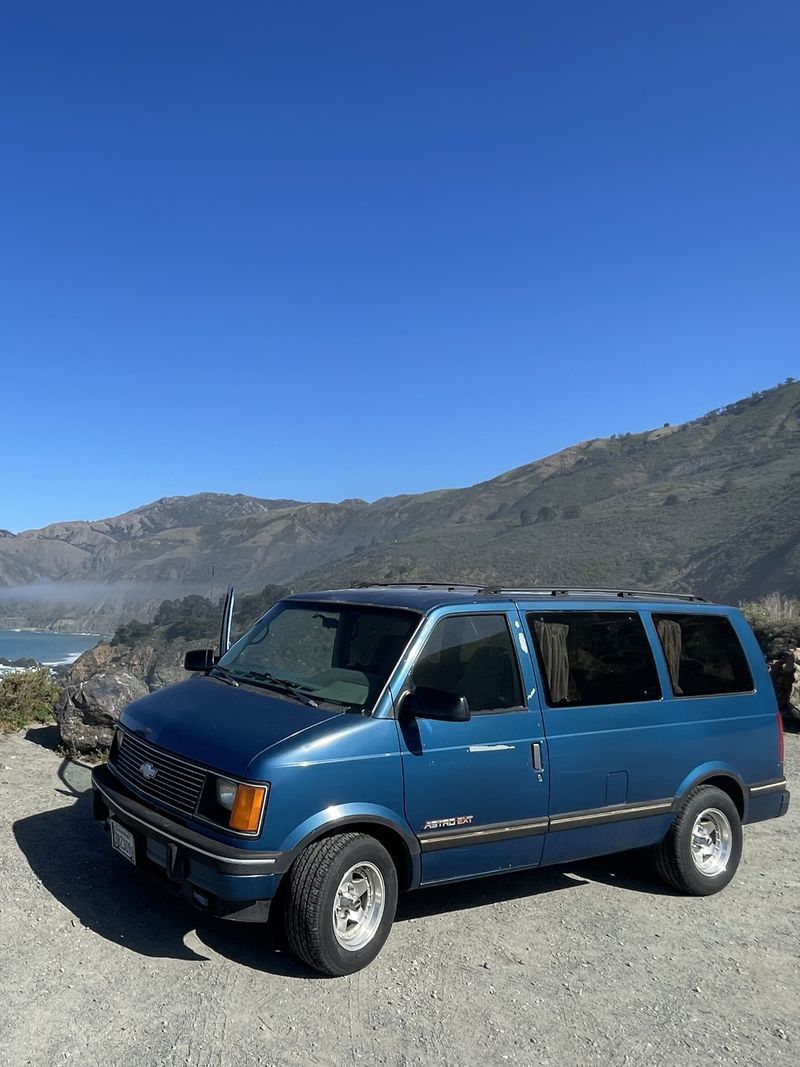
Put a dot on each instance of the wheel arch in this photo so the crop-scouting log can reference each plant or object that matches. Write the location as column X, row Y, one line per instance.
column 401, row 846
column 724, row 778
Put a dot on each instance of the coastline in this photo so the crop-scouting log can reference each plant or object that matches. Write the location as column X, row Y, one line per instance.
column 53, row 649
column 61, row 633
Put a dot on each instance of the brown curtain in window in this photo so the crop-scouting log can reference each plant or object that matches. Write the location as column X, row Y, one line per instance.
column 552, row 638
column 669, row 634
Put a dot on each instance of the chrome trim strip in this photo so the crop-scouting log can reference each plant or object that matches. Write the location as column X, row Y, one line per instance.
column 533, row 827
column 776, row 786
column 616, row 813
column 491, row 748
column 177, row 840
column 484, row 835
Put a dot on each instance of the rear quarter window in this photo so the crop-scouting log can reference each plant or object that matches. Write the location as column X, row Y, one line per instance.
column 593, row 657
column 704, row 656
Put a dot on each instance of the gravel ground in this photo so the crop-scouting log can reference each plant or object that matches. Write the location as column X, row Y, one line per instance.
column 586, row 964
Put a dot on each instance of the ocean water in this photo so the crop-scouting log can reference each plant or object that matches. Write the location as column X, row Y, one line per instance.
column 44, row 646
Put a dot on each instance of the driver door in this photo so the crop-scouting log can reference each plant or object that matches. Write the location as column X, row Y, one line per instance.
column 475, row 791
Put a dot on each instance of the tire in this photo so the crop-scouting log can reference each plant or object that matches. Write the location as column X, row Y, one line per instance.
column 701, row 852
column 341, row 901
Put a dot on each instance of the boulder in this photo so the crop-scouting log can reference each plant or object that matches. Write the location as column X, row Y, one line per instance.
column 781, row 648
column 106, row 678
column 87, row 711
column 785, row 672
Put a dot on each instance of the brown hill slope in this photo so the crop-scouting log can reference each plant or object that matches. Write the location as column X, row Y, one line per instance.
column 714, row 503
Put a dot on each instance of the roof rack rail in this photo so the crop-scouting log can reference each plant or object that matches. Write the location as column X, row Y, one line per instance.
column 502, row 590
column 645, row 594
column 450, row 586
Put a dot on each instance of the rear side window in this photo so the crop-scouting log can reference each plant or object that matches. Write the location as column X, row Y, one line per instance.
column 703, row 655
column 594, row 657
column 473, row 656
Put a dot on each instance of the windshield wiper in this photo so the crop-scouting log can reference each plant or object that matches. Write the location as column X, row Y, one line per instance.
column 224, row 675
column 283, row 685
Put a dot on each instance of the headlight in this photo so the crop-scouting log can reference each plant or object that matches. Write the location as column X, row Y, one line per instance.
column 235, row 805
column 226, row 793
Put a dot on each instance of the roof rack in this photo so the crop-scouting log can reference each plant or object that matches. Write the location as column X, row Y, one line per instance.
column 451, row 587
column 501, row 590
column 623, row 594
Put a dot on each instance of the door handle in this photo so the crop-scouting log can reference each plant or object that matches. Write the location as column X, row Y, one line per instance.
column 536, row 754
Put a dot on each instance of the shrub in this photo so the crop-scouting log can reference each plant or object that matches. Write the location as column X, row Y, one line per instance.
column 25, row 697
column 773, row 610
column 132, row 633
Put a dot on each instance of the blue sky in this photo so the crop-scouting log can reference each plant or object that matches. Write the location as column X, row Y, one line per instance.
column 329, row 250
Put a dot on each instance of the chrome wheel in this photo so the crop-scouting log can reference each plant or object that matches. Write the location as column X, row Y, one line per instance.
column 358, row 906
column 712, row 842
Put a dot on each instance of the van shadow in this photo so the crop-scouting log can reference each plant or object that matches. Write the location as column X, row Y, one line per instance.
column 70, row 854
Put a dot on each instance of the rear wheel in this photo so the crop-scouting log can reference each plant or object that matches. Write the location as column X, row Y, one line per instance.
column 342, row 897
column 701, row 852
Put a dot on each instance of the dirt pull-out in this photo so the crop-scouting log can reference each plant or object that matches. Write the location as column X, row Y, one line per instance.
column 592, row 963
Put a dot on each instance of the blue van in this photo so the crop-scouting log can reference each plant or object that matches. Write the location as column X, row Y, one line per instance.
column 365, row 741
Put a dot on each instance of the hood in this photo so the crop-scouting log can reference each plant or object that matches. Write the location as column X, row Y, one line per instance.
column 221, row 726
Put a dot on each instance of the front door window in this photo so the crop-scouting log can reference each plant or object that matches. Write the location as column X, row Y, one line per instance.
column 472, row 656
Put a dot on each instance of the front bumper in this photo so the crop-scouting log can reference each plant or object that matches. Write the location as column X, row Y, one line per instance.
column 230, row 882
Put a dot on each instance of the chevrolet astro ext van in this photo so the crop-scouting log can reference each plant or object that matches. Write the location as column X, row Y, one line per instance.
column 361, row 742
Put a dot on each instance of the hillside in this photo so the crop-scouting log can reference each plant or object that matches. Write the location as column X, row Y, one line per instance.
column 713, row 504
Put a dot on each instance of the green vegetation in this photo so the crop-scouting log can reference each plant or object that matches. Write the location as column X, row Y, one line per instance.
column 26, row 697
column 196, row 618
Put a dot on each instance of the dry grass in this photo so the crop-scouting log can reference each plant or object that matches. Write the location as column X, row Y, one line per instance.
column 774, row 610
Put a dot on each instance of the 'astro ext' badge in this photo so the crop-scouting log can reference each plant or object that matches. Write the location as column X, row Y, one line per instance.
column 444, row 824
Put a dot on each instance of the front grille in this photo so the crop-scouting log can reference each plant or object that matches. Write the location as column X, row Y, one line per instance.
column 176, row 782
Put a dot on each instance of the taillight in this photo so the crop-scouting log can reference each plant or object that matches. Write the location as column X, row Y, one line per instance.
column 780, row 738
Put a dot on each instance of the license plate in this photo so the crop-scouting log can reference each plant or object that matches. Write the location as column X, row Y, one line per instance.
column 122, row 840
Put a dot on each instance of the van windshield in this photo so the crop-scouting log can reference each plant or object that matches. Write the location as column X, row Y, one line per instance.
column 332, row 653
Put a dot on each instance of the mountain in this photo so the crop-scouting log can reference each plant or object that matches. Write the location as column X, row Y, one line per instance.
column 713, row 505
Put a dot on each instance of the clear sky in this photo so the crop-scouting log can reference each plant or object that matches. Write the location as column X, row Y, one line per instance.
column 325, row 250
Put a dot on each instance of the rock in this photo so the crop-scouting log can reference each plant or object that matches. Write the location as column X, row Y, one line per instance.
column 782, row 651
column 87, row 712
column 106, row 678
column 155, row 665
column 784, row 670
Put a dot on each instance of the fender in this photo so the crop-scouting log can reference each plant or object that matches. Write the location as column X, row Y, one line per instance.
column 342, row 816
column 712, row 770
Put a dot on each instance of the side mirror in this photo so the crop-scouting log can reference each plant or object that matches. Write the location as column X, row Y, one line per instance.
column 199, row 659
column 428, row 703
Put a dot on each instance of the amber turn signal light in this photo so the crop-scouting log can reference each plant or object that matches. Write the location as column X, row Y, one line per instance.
column 247, row 808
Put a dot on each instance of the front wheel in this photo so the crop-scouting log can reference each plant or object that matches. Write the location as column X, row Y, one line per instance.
column 701, row 852
column 341, row 902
